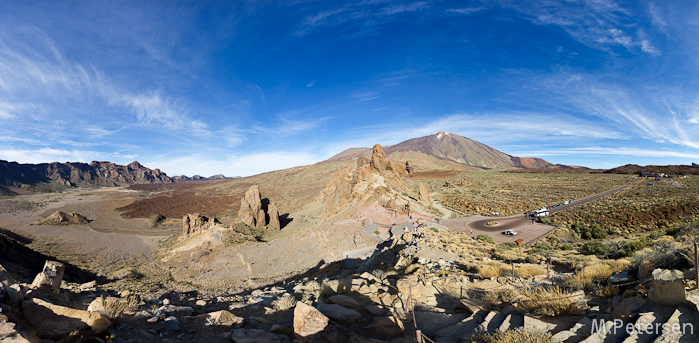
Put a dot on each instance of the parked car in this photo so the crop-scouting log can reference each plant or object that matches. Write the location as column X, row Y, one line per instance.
column 509, row 232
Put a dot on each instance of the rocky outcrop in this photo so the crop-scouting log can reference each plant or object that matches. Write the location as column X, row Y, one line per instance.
column 50, row 278
column 374, row 179
column 422, row 194
column 194, row 223
column 258, row 212
column 78, row 174
column 62, row 218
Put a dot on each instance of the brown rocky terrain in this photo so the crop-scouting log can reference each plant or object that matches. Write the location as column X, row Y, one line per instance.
column 49, row 176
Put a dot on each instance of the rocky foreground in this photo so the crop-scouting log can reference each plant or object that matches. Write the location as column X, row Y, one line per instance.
column 422, row 281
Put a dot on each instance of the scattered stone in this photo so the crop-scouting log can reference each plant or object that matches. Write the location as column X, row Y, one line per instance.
column 257, row 336
column 628, row 307
column 386, row 326
column 172, row 323
column 375, row 309
column 153, row 319
column 344, row 300
column 311, row 326
column 201, row 303
column 619, row 278
column 53, row 320
column 223, row 318
column 340, row 313
column 50, row 278
column 177, row 310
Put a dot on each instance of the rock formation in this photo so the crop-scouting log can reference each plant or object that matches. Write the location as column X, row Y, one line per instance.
column 50, row 278
column 62, row 218
column 257, row 212
column 409, row 168
column 194, row 223
column 78, row 174
column 374, row 178
column 423, row 196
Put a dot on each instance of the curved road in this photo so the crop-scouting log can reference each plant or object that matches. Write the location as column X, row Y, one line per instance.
column 511, row 222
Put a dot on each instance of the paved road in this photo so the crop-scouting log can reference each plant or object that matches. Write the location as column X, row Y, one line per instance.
column 519, row 221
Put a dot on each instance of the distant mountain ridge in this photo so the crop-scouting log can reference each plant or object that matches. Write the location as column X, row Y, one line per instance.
column 56, row 174
column 453, row 151
column 181, row 178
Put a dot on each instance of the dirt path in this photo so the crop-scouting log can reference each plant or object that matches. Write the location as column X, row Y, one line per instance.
column 437, row 205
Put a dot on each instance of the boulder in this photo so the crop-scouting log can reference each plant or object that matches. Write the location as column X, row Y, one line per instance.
column 619, row 278
column 257, row 336
column 667, row 287
column 422, row 194
column 386, row 327
column 50, row 278
column 340, row 313
column 311, row 326
column 223, row 318
column 53, row 320
column 628, row 307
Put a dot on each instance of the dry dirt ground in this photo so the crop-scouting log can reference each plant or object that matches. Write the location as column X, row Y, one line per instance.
column 108, row 240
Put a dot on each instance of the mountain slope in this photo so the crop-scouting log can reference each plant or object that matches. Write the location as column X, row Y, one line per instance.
column 77, row 174
column 450, row 151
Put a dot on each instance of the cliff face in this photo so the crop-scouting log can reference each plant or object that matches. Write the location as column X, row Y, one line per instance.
column 78, row 174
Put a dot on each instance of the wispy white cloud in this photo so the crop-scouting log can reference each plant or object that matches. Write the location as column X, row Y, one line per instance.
column 154, row 110
column 466, row 10
column 599, row 24
column 366, row 13
column 657, row 114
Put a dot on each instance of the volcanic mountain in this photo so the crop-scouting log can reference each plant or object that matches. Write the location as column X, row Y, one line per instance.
column 56, row 175
column 450, row 151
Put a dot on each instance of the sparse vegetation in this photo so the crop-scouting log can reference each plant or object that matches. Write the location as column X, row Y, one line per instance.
column 548, row 301
column 486, row 238
column 518, row 335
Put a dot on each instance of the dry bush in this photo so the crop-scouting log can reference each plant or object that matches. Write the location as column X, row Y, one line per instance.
column 285, row 302
column 518, row 335
column 607, row 292
column 528, row 271
column 547, row 301
column 118, row 307
column 497, row 298
column 493, row 269
column 588, row 277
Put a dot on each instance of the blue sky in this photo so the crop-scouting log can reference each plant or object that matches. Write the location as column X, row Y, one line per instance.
column 240, row 88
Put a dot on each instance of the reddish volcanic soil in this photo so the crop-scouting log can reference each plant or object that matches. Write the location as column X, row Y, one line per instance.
column 174, row 200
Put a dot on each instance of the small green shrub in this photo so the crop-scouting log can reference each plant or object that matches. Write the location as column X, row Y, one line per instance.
column 486, row 238
column 594, row 248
